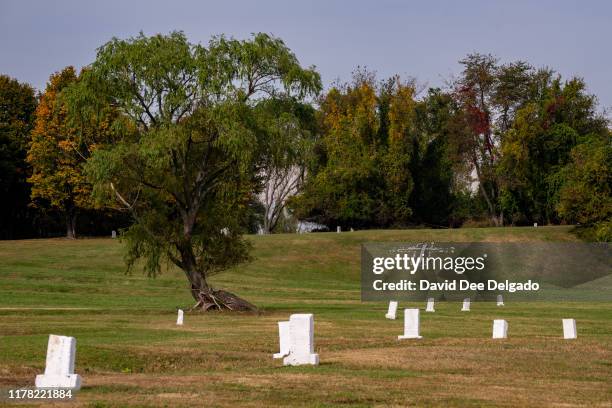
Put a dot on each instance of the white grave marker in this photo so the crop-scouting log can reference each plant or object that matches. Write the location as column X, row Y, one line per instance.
column 301, row 341
column 338, row 229
column 411, row 325
column 466, row 305
column 569, row 329
column 284, row 339
column 59, row 368
column 392, row 312
column 352, row 230
column 500, row 329
column 114, row 234
column 430, row 305
column 500, row 300
column 535, row 225
column 179, row 318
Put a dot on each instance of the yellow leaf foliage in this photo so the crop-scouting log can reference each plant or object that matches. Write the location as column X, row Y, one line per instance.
column 58, row 151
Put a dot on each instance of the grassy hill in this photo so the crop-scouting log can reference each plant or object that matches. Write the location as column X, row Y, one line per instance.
column 129, row 351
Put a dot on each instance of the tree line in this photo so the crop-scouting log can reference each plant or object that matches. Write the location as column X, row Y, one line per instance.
column 501, row 144
column 504, row 144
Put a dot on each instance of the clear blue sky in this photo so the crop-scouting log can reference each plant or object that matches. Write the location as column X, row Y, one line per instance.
column 423, row 39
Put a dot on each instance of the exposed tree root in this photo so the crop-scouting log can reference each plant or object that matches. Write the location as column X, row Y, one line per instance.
column 210, row 299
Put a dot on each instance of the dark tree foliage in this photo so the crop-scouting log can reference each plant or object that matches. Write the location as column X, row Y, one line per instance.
column 433, row 173
column 17, row 106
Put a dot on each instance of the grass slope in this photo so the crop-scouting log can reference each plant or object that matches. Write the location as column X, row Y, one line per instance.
column 130, row 353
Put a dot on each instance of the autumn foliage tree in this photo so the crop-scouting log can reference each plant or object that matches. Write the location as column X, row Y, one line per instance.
column 475, row 136
column 57, row 176
column 60, row 146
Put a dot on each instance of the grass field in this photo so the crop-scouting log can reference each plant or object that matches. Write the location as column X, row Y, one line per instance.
column 130, row 353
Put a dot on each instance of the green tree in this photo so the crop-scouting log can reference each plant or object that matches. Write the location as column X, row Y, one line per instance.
column 192, row 146
column 359, row 175
column 17, row 106
column 586, row 193
column 556, row 117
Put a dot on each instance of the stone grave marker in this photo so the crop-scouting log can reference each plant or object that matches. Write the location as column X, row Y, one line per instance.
column 392, row 312
column 569, row 329
column 411, row 325
column 466, row 305
column 500, row 329
column 284, row 339
column 59, row 368
column 430, row 305
column 301, row 341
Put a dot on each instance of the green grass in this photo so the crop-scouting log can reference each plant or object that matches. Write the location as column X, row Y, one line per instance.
column 130, row 353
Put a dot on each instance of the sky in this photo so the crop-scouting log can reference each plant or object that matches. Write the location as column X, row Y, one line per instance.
column 423, row 39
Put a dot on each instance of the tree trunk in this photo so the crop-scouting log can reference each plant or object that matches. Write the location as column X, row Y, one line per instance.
column 71, row 224
column 498, row 222
column 205, row 296
column 266, row 224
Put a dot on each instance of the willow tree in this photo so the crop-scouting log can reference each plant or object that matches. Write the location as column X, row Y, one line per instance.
column 192, row 145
